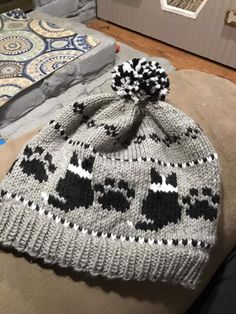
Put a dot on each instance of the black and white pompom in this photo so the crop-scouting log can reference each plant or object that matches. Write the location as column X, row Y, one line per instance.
column 140, row 79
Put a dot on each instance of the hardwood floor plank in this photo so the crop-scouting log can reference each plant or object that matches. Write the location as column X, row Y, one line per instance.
column 179, row 58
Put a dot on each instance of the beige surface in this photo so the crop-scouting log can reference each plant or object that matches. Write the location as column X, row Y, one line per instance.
column 29, row 288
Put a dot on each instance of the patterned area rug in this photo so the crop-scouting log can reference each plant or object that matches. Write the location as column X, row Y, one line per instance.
column 32, row 49
column 190, row 5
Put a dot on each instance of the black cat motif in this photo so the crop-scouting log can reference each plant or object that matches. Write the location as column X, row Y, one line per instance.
column 36, row 163
column 205, row 207
column 161, row 206
column 115, row 195
column 75, row 189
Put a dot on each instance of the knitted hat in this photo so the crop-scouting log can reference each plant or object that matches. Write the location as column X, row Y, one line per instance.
column 121, row 186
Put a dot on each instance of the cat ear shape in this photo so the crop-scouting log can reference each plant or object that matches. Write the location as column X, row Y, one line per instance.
column 171, row 179
column 155, row 176
column 87, row 164
column 74, row 160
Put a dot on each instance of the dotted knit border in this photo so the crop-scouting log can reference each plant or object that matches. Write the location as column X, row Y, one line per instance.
column 67, row 224
column 192, row 163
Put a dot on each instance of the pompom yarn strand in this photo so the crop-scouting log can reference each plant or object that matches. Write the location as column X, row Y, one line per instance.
column 140, row 79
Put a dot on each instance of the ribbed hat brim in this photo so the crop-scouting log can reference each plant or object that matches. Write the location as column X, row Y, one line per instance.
column 37, row 233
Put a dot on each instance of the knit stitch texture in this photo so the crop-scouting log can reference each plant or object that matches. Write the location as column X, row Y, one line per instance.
column 116, row 188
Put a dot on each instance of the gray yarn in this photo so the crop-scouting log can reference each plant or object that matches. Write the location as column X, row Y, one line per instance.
column 115, row 237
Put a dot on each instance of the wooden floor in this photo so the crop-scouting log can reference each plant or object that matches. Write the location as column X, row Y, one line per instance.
column 178, row 57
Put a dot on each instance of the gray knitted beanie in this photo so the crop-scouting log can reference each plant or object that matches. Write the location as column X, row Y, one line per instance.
column 121, row 186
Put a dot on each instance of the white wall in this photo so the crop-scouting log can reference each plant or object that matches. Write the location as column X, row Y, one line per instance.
column 207, row 35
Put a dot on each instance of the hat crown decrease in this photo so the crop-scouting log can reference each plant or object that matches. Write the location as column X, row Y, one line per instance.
column 140, row 79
